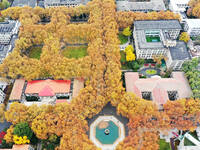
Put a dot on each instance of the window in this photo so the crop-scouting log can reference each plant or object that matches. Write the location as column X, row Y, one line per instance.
column 173, row 95
column 147, row 95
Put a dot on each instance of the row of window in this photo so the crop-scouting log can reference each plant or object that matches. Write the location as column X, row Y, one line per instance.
column 172, row 95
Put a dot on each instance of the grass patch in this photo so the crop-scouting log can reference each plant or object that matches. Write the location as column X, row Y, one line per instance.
column 123, row 39
column 35, row 52
column 164, row 145
column 75, row 52
column 151, row 71
column 153, row 39
column 188, row 142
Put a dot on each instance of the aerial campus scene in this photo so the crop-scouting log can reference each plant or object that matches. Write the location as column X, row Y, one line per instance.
column 100, row 75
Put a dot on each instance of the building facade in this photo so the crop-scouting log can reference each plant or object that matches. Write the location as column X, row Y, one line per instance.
column 66, row 3
column 192, row 27
column 154, row 37
column 178, row 5
column 145, row 6
column 8, row 34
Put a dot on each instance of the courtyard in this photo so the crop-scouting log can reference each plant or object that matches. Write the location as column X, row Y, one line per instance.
column 35, row 52
column 152, row 38
column 74, row 51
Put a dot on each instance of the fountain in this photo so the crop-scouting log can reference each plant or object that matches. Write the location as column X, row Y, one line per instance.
column 107, row 131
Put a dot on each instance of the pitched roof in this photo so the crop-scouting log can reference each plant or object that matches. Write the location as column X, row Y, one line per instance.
column 158, row 86
column 46, row 91
column 17, row 89
column 78, row 85
column 48, row 87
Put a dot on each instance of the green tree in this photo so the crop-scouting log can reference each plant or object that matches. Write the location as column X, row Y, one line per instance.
column 5, row 4
column 127, row 31
column 23, row 129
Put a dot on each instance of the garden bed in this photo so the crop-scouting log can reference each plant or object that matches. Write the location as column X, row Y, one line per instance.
column 35, row 52
column 123, row 39
column 75, row 52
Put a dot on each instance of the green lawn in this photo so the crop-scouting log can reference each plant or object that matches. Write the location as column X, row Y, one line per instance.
column 151, row 71
column 123, row 39
column 75, row 52
column 188, row 142
column 35, row 52
column 164, row 145
column 153, row 39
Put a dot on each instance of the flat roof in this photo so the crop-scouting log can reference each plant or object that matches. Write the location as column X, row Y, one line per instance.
column 193, row 23
column 155, row 5
column 142, row 43
column 17, row 89
column 179, row 52
column 21, row 3
column 157, row 24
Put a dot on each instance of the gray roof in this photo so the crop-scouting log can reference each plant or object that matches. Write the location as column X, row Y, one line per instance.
column 157, row 24
column 21, row 3
column 66, row 1
column 179, row 52
column 152, row 5
column 142, row 43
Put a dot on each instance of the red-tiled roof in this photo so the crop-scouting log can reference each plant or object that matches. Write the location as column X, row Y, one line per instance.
column 48, row 87
column 46, row 91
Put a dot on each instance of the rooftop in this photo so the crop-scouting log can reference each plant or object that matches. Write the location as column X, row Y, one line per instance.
column 67, row 1
column 155, row 5
column 157, row 24
column 158, row 86
column 179, row 52
column 193, row 23
column 21, row 3
column 48, row 87
column 17, row 89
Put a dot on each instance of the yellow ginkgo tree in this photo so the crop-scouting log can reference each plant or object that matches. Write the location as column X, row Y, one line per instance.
column 130, row 56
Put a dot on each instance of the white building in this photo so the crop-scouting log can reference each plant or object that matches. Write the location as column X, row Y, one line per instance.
column 178, row 5
column 129, row 5
column 192, row 26
column 153, row 37
column 8, row 34
column 67, row 3
column 7, row 29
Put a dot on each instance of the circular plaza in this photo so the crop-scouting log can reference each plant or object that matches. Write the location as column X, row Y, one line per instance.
column 106, row 132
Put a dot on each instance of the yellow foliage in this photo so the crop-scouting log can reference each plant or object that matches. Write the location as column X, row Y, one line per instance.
column 127, row 31
column 20, row 140
column 184, row 37
column 9, row 135
column 130, row 56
